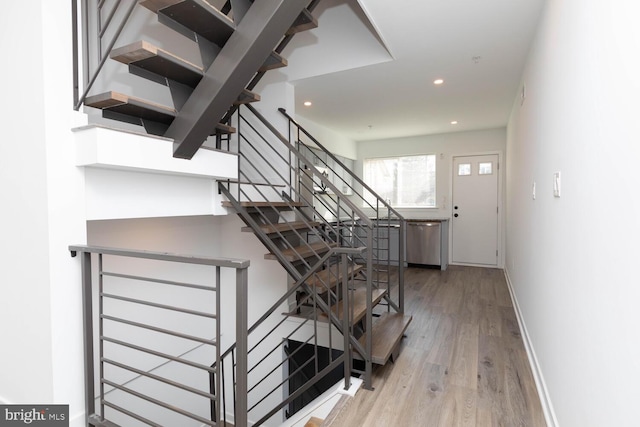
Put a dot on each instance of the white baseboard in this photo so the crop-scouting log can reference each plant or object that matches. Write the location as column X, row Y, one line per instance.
column 543, row 393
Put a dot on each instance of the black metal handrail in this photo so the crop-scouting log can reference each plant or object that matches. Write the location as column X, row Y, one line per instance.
column 111, row 350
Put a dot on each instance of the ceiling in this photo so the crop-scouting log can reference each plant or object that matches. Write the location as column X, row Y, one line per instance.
column 369, row 67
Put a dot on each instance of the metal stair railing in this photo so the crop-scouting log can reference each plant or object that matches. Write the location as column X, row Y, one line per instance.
column 152, row 322
column 275, row 172
column 94, row 23
column 381, row 213
column 266, row 389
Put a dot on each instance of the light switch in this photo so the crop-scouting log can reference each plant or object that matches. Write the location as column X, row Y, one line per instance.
column 556, row 184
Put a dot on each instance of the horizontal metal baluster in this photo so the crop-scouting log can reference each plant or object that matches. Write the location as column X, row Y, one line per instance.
column 162, row 306
column 157, row 329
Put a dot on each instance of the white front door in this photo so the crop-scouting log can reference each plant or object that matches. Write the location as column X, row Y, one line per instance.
column 474, row 226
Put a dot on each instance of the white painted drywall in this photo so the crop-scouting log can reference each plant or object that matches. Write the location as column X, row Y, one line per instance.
column 332, row 141
column 572, row 260
column 43, row 212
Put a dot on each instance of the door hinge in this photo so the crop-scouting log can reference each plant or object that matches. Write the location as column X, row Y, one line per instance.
column 496, row 253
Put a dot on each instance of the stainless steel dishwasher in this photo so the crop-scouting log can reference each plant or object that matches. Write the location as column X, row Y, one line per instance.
column 424, row 242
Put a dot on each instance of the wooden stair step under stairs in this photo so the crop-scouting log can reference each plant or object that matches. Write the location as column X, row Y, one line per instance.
column 198, row 16
column 136, row 111
column 305, row 21
column 358, row 300
column 308, row 250
column 314, row 422
column 386, row 334
column 328, row 278
column 273, row 61
column 283, row 227
column 209, row 22
column 152, row 59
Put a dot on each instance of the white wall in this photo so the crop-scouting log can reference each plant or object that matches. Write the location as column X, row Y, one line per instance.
column 40, row 314
column 445, row 146
column 572, row 260
column 332, row 141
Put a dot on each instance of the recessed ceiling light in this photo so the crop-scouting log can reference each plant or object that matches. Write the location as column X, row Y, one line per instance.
column 307, row 103
column 454, row 122
column 438, row 81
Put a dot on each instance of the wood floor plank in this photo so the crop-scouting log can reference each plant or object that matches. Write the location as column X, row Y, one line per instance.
column 464, row 363
column 452, row 371
column 490, row 320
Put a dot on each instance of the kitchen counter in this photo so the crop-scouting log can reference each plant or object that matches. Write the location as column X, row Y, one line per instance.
column 427, row 219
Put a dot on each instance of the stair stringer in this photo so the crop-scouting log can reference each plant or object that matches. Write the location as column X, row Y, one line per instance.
column 245, row 52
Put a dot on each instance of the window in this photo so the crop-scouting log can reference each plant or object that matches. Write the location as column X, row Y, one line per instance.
column 464, row 169
column 405, row 182
column 485, row 168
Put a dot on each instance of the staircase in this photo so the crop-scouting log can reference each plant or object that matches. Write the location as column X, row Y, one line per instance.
column 327, row 229
column 336, row 255
column 236, row 44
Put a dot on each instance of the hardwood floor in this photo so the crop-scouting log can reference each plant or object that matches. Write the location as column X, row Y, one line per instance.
column 462, row 363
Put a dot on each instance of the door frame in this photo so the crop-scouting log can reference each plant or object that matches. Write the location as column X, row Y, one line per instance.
column 501, row 216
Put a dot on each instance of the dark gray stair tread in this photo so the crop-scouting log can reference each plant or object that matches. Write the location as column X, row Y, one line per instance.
column 305, row 21
column 260, row 205
column 246, row 97
column 273, row 61
column 159, row 61
column 304, row 251
column 283, row 227
column 139, row 108
column 386, row 334
column 198, row 16
column 329, row 277
column 222, row 128
column 156, row 60
column 131, row 106
column 358, row 299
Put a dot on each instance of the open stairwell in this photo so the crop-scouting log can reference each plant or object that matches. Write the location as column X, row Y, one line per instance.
column 339, row 267
column 345, row 296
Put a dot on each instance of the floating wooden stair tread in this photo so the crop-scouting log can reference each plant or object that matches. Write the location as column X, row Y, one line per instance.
column 226, row 129
column 305, row 21
column 138, row 110
column 314, row 422
column 273, row 61
column 198, row 16
column 329, row 277
column 284, row 227
column 304, row 251
column 358, row 299
column 246, row 97
column 131, row 106
column 386, row 334
column 262, row 205
column 153, row 59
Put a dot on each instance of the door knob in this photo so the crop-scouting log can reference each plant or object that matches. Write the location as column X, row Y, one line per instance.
column 455, row 215
column 455, row 207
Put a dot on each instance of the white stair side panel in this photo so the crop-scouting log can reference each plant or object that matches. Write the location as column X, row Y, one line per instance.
column 100, row 147
column 116, row 194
